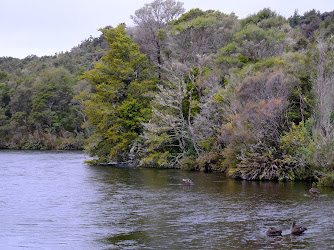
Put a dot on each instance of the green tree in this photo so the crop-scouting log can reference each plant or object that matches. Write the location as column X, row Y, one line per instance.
column 297, row 143
column 309, row 22
column 198, row 33
column 119, row 102
column 262, row 35
column 4, row 121
column 52, row 94
column 265, row 19
column 301, row 97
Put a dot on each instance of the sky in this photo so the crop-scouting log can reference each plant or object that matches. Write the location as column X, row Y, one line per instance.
column 46, row 27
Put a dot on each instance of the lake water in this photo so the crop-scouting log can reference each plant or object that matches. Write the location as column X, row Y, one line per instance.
column 52, row 200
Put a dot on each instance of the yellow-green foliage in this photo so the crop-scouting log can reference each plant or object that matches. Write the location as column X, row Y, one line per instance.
column 327, row 180
column 297, row 142
column 156, row 160
column 119, row 102
column 188, row 163
column 265, row 18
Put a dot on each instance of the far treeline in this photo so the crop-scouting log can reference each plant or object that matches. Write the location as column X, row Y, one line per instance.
column 197, row 90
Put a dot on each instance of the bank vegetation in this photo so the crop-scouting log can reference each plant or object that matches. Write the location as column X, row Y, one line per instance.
column 196, row 90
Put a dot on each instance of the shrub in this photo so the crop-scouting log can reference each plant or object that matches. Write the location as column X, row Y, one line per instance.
column 326, row 181
column 210, row 162
column 188, row 163
column 297, row 143
column 266, row 167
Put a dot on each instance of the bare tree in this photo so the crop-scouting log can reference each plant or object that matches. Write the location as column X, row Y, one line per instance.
column 166, row 135
column 324, row 86
column 208, row 122
column 151, row 19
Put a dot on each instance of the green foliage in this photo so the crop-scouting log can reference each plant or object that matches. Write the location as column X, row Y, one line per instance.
column 228, row 55
column 211, row 161
column 190, row 15
column 200, row 21
column 265, row 18
column 4, row 126
column 332, row 117
column 51, row 95
column 201, row 33
column 297, row 143
column 302, row 96
column 162, row 34
column 295, row 19
column 258, row 43
column 117, row 105
column 157, row 160
column 230, row 94
column 36, row 94
column 3, row 76
column 251, row 45
column 266, row 167
column 129, row 115
column 308, row 23
column 327, row 25
column 188, row 163
column 326, row 181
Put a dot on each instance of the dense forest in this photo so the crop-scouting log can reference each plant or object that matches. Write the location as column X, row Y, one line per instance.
column 196, row 90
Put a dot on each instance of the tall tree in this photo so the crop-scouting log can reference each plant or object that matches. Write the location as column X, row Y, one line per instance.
column 201, row 33
column 119, row 102
column 51, row 95
column 151, row 20
column 324, row 87
column 323, row 129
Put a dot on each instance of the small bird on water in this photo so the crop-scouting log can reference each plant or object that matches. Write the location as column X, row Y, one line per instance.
column 297, row 229
column 314, row 191
column 272, row 231
column 187, row 181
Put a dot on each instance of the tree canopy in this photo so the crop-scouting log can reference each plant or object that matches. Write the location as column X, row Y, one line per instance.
column 118, row 104
column 196, row 90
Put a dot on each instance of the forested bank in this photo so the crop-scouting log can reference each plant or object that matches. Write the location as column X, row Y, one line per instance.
column 37, row 105
column 197, row 90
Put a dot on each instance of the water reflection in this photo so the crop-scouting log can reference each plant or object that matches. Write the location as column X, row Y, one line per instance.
column 55, row 201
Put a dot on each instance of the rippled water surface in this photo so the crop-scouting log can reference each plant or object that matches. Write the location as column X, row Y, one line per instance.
column 52, row 200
